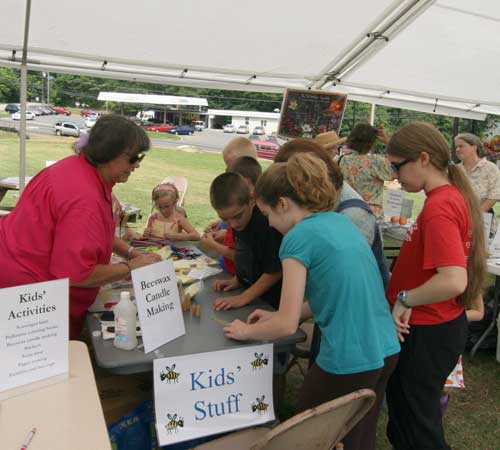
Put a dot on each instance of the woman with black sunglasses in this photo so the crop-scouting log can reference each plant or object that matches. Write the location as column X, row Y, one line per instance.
column 63, row 227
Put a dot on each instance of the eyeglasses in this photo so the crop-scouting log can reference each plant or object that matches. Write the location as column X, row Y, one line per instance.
column 396, row 167
column 136, row 158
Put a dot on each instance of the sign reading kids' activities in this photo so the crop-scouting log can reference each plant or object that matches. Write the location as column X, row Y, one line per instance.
column 209, row 393
column 158, row 304
column 33, row 336
column 305, row 114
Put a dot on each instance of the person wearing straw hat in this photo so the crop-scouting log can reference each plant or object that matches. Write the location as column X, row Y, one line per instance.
column 330, row 141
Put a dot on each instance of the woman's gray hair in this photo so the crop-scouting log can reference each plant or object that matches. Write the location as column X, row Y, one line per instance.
column 472, row 139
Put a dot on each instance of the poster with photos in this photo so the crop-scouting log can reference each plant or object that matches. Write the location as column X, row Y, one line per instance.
column 305, row 114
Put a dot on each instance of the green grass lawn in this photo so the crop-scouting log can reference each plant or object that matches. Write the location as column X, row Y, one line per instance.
column 473, row 418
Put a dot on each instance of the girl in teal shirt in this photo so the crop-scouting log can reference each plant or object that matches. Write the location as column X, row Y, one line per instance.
column 326, row 260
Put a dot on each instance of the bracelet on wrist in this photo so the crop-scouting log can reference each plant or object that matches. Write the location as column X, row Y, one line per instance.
column 127, row 264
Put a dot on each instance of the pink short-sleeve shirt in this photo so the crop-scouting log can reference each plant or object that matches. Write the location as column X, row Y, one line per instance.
column 62, row 227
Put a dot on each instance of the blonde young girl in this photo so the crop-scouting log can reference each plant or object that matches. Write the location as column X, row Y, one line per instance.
column 438, row 274
column 327, row 260
column 168, row 223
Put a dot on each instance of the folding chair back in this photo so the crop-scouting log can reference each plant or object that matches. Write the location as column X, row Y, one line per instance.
column 181, row 183
column 319, row 428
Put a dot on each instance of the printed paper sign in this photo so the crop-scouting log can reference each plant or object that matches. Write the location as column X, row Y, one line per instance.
column 158, row 304
column 33, row 333
column 210, row 393
column 393, row 202
column 487, row 222
column 495, row 243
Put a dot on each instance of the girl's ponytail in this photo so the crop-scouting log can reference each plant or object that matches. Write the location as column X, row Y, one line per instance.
column 476, row 264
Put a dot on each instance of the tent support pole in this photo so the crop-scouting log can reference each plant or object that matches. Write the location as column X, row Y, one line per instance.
column 372, row 114
column 24, row 89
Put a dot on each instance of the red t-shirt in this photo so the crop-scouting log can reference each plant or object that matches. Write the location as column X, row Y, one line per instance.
column 62, row 227
column 440, row 237
column 229, row 242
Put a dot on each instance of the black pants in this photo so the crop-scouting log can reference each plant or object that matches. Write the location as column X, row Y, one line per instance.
column 320, row 387
column 428, row 355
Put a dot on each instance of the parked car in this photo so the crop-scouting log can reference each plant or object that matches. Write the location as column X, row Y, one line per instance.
column 266, row 149
column 90, row 121
column 66, row 129
column 162, row 128
column 37, row 110
column 60, row 110
column 198, row 125
column 243, row 129
column 29, row 115
column 259, row 130
column 87, row 112
column 182, row 130
column 47, row 110
column 12, row 108
column 229, row 128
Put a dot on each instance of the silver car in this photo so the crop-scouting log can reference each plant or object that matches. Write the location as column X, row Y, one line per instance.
column 66, row 129
column 243, row 129
column 230, row 128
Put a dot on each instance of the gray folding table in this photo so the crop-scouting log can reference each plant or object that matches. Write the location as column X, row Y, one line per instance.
column 203, row 334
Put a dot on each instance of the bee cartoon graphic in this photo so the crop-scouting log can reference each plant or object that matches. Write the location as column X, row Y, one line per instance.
column 259, row 361
column 174, row 424
column 259, row 405
column 170, row 375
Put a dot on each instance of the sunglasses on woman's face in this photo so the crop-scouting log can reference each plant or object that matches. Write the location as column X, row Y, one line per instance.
column 136, row 158
column 396, row 167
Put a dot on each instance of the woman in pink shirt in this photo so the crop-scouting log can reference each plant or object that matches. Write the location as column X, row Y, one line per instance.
column 63, row 227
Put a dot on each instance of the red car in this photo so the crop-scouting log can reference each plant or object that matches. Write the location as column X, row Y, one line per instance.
column 87, row 112
column 60, row 110
column 266, row 149
column 162, row 128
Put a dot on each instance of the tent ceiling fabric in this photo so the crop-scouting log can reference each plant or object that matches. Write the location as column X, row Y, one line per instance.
column 447, row 49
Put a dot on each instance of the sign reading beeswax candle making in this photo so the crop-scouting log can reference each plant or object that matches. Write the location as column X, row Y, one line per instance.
column 210, row 393
column 33, row 336
column 158, row 304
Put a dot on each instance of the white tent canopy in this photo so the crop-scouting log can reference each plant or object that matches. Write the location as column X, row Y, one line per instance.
column 437, row 56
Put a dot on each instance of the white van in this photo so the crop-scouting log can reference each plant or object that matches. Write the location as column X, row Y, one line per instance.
column 198, row 125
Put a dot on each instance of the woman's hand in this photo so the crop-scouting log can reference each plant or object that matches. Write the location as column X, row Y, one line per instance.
column 260, row 315
column 401, row 316
column 144, row 259
column 237, row 330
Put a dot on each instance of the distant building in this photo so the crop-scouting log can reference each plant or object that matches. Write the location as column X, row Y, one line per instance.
column 217, row 118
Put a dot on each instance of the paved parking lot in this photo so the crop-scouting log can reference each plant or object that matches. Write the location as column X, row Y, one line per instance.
column 208, row 140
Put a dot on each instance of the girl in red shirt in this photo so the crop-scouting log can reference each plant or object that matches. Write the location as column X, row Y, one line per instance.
column 438, row 274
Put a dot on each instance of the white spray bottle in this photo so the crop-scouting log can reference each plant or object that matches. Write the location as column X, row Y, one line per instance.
column 125, row 323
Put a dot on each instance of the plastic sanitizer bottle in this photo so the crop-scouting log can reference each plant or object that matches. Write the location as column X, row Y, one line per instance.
column 125, row 323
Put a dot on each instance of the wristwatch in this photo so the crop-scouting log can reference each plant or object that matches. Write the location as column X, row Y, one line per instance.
column 403, row 298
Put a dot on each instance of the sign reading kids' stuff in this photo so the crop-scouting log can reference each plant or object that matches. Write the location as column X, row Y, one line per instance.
column 209, row 393
column 305, row 114
column 33, row 336
column 158, row 304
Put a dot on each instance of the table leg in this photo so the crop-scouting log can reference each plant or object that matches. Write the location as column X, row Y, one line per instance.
column 496, row 296
column 3, row 191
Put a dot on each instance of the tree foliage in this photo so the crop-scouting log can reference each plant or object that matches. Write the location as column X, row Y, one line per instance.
column 70, row 90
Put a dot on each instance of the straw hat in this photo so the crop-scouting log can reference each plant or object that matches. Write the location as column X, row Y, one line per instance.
column 329, row 139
